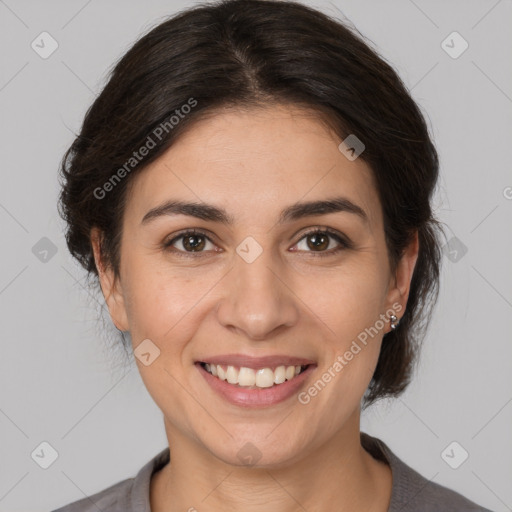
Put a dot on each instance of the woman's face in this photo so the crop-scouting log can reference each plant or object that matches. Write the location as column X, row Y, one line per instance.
column 261, row 285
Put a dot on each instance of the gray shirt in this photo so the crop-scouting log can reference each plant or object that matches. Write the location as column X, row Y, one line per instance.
column 411, row 492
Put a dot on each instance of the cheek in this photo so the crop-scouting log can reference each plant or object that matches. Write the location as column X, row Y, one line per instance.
column 168, row 308
column 350, row 305
column 350, row 350
column 348, row 301
column 165, row 303
column 158, row 300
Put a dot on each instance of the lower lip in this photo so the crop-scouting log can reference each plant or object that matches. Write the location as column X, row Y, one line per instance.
column 263, row 397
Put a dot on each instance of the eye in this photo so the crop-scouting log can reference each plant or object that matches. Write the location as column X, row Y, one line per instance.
column 320, row 240
column 191, row 241
column 195, row 242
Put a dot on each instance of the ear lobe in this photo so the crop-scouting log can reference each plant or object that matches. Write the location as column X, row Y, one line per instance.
column 404, row 272
column 110, row 286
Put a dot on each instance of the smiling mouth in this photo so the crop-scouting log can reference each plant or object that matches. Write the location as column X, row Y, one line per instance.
column 254, row 378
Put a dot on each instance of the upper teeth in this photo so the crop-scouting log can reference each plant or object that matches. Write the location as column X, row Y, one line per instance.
column 261, row 378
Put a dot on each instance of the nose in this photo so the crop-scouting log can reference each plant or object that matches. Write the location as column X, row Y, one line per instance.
column 258, row 302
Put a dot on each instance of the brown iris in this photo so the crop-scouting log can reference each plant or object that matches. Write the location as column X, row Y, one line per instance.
column 195, row 245
column 319, row 241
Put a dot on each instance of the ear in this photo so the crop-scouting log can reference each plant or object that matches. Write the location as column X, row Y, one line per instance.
column 110, row 286
column 400, row 282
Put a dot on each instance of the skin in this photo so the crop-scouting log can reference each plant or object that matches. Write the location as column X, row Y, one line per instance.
column 288, row 301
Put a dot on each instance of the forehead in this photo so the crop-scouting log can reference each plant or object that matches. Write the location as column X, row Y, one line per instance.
column 254, row 162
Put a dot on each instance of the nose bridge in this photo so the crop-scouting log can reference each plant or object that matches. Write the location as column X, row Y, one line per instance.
column 257, row 300
column 259, row 276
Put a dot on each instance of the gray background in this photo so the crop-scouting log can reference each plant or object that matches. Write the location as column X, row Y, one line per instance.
column 58, row 382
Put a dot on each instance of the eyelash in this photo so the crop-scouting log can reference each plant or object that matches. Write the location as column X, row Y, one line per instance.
column 344, row 243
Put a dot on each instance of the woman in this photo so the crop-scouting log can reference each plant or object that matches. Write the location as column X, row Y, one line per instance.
column 252, row 190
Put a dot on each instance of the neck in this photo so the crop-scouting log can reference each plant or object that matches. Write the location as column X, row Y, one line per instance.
column 339, row 471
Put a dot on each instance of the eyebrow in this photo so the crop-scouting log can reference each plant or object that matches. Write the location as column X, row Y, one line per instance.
column 293, row 212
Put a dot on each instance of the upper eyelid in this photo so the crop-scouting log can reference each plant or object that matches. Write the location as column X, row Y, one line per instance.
column 189, row 232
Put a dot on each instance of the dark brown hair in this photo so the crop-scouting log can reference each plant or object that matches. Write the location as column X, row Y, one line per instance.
column 250, row 53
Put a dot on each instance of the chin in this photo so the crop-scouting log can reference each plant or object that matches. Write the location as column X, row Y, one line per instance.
column 257, row 451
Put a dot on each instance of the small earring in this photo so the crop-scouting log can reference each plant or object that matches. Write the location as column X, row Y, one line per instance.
column 394, row 322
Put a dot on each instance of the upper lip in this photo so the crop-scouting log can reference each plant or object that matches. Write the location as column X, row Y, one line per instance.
column 247, row 361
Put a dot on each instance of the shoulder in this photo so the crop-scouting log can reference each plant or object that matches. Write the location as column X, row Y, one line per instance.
column 130, row 495
column 108, row 500
column 415, row 492
column 412, row 491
